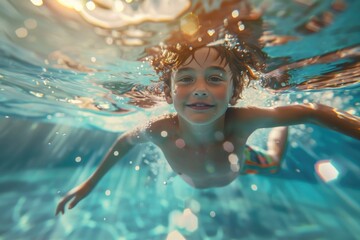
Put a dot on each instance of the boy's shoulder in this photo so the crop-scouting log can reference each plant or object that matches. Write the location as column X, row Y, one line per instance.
column 164, row 123
column 154, row 130
column 165, row 119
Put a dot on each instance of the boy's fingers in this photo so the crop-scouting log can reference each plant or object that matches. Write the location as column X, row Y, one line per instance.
column 61, row 205
column 59, row 209
column 74, row 202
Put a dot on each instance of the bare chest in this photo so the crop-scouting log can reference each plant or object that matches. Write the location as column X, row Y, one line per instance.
column 213, row 165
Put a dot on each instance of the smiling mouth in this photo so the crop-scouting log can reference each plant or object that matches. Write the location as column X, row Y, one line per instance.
column 200, row 106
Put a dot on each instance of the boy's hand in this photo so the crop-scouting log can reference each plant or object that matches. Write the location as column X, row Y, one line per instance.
column 76, row 195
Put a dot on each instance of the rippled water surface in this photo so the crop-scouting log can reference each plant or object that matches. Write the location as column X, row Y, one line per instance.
column 74, row 75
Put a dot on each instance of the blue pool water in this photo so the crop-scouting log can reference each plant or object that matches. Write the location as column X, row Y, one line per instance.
column 67, row 90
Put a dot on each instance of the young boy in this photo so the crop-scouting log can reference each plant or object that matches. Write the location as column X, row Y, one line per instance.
column 205, row 141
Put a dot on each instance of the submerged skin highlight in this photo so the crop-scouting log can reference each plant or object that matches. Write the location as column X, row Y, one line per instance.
column 205, row 141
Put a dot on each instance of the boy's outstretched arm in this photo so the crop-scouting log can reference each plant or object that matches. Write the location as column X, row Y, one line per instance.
column 337, row 120
column 122, row 146
column 318, row 114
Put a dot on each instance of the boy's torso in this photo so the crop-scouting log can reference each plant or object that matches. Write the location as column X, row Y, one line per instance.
column 211, row 165
column 204, row 167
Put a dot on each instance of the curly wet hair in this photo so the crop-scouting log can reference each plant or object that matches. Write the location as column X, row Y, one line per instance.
column 233, row 34
column 244, row 60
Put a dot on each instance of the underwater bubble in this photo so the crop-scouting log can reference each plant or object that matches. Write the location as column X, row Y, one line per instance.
column 189, row 24
column 228, row 146
column 30, row 23
column 90, row 5
column 212, row 214
column 235, row 167
column 210, row 32
column 241, row 27
column 164, row 133
column 235, row 13
column 78, row 159
column 294, row 144
column 107, row 192
column 21, row 32
column 37, row 3
column 254, row 187
column 180, row 143
column 137, row 168
column 233, row 158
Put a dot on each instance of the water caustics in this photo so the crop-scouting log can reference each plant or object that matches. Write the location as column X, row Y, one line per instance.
column 114, row 33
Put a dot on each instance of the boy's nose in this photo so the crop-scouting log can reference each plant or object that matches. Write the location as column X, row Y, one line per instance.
column 200, row 93
column 200, row 88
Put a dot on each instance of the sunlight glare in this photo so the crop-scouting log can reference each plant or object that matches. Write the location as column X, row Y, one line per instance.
column 37, row 3
column 326, row 171
column 73, row 4
column 175, row 235
column 90, row 5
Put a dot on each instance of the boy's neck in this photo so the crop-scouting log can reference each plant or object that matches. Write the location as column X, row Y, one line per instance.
column 202, row 134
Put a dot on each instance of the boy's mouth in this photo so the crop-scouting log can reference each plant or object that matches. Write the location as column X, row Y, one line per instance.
column 200, row 106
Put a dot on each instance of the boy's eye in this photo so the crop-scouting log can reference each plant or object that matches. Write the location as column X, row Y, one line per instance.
column 215, row 78
column 185, row 79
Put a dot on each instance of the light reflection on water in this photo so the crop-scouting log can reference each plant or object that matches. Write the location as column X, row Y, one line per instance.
column 62, row 76
column 63, row 63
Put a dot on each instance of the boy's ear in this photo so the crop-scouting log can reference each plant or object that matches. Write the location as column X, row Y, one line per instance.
column 167, row 92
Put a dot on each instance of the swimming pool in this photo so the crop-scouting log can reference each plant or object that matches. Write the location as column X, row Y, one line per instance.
column 69, row 84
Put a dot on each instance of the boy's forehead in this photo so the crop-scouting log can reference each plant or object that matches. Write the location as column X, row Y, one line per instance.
column 203, row 57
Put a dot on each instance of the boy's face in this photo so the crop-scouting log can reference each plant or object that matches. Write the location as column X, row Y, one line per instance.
column 201, row 88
